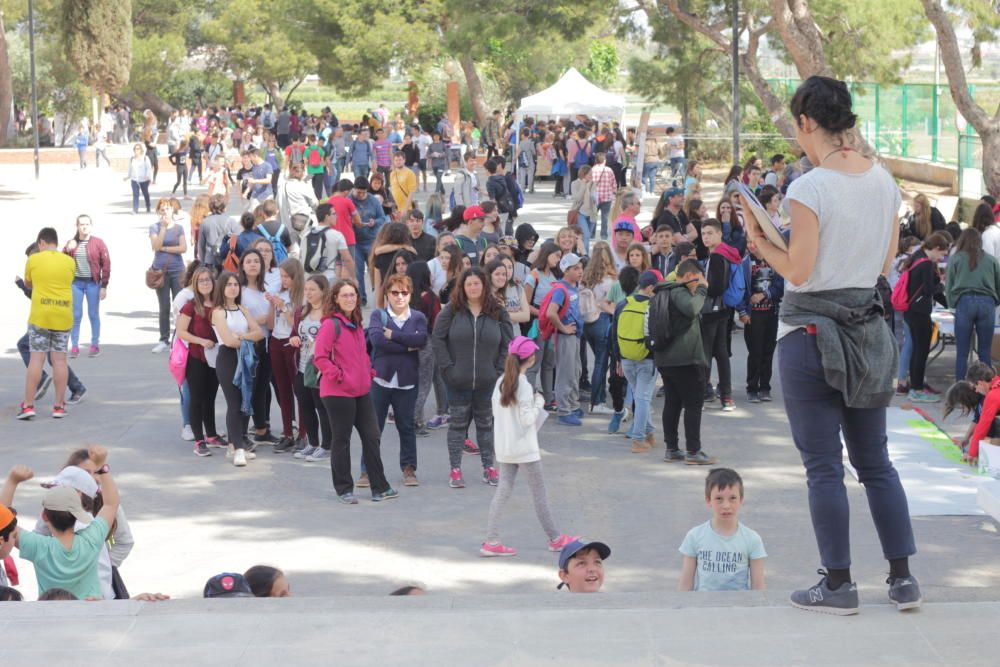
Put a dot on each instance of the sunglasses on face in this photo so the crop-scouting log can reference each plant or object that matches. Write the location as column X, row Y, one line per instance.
column 398, row 293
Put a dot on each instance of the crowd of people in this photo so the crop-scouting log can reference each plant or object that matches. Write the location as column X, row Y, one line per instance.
column 504, row 327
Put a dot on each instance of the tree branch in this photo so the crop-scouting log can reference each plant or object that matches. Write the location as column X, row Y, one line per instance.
column 801, row 36
column 697, row 24
column 951, row 56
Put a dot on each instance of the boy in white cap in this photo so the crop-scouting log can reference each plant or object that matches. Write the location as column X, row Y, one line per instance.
column 569, row 330
column 66, row 560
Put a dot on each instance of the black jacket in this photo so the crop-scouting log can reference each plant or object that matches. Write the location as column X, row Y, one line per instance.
column 922, row 284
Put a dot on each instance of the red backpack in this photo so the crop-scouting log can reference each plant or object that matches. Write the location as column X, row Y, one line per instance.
column 546, row 329
column 315, row 159
column 901, row 292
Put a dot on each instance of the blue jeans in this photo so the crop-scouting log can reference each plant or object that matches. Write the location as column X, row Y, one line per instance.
column 905, row 351
column 91, row 290
column 649, row 176
column 137, row 187
column 74, row 385
column 974, row 312
column 361, row 251
column 403, row 402
column 596, row 335
column 677, row 167
column 605, row 209
column 641, row 376
column 587, row 226
column 817, row 415
column 360, row 170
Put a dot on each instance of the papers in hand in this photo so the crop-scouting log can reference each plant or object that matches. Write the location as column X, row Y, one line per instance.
column 540, row 419
column 771, row 230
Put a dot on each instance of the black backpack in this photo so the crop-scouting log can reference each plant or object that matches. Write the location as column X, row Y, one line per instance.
column 657, row 327
column 314, row 259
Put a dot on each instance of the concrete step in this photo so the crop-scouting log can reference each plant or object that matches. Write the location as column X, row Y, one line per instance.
column 756, row 628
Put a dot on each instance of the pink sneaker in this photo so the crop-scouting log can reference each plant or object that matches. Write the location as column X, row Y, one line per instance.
column 456, row 481
column 491, row 550
column 561, row 541
column 94, row 351
column 74, row 352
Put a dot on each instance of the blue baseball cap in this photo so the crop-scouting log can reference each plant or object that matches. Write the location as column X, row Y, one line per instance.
column 673, row 192
column 576, row 546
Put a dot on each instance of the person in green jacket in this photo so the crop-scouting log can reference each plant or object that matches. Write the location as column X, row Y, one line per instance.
column 972, row 289
column 682, row 366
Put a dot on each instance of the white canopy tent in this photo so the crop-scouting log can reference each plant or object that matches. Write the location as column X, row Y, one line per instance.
column 570, row 96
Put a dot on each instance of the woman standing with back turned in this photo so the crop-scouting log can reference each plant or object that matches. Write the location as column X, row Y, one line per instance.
column 837, row 354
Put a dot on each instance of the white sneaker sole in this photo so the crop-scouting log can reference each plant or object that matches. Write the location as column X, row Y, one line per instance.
column 492, row 554
column 830, row 611
column 903, row 606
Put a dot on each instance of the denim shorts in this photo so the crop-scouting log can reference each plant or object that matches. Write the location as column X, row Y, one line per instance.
column 47, row 340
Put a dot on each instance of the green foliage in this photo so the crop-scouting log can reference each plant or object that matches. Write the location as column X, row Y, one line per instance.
column 191, row 89
column 98, row 41
column 154, row 56
column 602, row 66
column 59, row 88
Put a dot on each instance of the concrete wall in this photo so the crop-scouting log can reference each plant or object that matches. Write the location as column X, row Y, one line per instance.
column 922, row 171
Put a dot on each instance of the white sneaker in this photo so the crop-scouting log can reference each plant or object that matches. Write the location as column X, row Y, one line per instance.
column 627, row 415
column 187, row 433
column 305, row 453
column 601, row 409
column 240, row 458
column 319, row 455
column 160, row 348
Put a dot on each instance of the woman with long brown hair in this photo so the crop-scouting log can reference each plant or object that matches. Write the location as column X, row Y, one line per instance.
column 925, row 219
column 312, row 415
column 972, row 289
column 470, row 339
column 516, row 409
column 341, row 357
column 922, row 285
column 194, row 327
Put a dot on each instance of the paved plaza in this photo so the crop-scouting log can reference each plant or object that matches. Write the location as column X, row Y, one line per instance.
column 193, row 517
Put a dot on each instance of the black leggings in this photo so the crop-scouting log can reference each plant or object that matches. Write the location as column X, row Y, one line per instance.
column 182, row 177
column 920, row 332
column 261, row 391
column 314, row 417
column 225, row 370
column 354, row 413
column 204, row 386
column 195, row 165
column 683, row 388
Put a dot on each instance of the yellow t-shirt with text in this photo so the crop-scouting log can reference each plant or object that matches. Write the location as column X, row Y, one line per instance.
column 50, row 273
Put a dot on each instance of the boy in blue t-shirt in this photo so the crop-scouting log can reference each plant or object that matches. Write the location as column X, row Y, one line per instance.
column 722, row 554
column 569, row 330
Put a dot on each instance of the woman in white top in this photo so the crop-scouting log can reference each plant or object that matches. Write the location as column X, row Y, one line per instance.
column 836, row 372
column 500, row 272
column 140, row 173
column 282, row 354
column 233, row 324
column 516, row 411
column 439, row 265
column 272, row 275
column 254, row 300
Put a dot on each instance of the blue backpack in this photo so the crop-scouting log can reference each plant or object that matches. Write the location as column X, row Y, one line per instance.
column 280, row 251
column 582, row 156
column 735, row 293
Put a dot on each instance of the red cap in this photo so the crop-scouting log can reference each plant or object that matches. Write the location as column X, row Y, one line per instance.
column 473, row 212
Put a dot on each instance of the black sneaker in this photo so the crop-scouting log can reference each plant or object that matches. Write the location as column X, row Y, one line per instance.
column 201, row 449
column 765, row 395
column 753, row 397
column 699, row 458
column 551, row 407
column 674, row 456
column 423, row 431
column 43, row 386
column 905, row 592
column 249, row 445
column 284, row 445
column 820, row 598
column 709, row 393
column 76, row 396
column 585, row 387
column 266, row 439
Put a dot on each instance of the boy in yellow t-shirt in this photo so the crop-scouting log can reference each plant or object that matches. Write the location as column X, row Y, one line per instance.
column 402, row 183
column 49, row 274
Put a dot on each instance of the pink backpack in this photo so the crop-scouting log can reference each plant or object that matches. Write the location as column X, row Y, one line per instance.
column 901, row 292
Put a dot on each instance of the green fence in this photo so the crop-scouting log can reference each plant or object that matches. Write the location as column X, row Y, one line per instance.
column 914, row 120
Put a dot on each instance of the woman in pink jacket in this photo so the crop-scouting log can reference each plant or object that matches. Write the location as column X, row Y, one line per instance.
column 344, row 386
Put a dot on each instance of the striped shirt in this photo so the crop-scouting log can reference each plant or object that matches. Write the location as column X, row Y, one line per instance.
column 82, row 263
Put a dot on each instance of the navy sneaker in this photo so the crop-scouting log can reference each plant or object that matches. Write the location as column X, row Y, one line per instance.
column 821, row 598
column 578, row 412
column 904, row 592
column 388, row 494
column 753, row 397
column 348, row 499
column 765, row 395
column 616, row 422
column 569, row 420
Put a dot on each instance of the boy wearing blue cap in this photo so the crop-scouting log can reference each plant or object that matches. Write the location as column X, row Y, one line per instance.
column 722, row 554
column 581, row 566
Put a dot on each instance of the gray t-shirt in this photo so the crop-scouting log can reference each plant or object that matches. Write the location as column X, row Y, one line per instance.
column 856, row 214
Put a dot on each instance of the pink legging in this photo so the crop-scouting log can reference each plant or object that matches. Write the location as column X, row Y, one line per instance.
column 283, row 370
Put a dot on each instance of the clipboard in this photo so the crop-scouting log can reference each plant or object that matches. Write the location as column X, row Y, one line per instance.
column 764, row 221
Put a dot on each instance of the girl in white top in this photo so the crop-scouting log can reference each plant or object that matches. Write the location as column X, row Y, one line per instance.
column 439, row 265
column 260, row 309
column 516, row 411
column 272, row 276
column 280, row 351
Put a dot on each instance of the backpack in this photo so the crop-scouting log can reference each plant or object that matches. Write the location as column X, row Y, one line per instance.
column 227, row 250
column 715, row 304
column 581, row 158
column 632, row 330
column 280, row 251
column 588, row 305
column 315, row 158
column 522, row 160
column 656, row 326
column 314, row 260
column 297, row 155
column 736, row 291
column 546, row 328
column 901, row 292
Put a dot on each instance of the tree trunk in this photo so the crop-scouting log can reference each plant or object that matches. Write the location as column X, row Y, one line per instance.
column 475, row 86
column 988, row 127
column 273, row 89
column 801, row 36
column 147, row 100
column 8, row 130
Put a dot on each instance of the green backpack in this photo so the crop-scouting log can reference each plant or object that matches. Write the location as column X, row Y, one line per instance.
column 631, row 336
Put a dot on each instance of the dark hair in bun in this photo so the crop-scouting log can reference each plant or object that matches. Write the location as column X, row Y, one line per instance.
column 827, row 101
